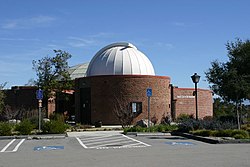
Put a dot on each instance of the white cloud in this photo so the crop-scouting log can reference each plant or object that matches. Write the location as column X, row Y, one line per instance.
column 103, row 35
column 90, row 40
column 184, row 25
column 80, row 42
column 27, row 23
column 165, row 45
column 179, row 24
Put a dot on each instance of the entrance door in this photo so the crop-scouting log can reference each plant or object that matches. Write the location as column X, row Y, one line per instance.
column 85, row 109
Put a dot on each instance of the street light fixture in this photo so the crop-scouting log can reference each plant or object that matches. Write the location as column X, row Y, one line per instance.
column 196, row 79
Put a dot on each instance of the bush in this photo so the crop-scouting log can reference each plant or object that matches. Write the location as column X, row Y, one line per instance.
column 239, row 136
column 208, row 118
column 34, row 120
column 240, row 133
column 186, row 125
column 156, row 128
column 25, row 127
column 57, row 117
column 204, row 133
column 5, row 129
column 184, row 117
column 223, row 133
column 189, row 125
column 54, row 127
column 246, row 127
column 227, row 118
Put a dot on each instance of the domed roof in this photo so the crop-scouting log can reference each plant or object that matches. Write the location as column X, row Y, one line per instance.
column 120, row 59
column 78, row 71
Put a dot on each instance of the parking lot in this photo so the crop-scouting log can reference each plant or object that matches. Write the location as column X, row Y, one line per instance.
column 108, row 140
column 114, row 149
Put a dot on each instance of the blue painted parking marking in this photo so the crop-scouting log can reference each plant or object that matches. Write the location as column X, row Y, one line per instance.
column 40, row 148
column 180, row 143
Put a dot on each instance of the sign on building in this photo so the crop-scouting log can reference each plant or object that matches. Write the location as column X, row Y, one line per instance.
column 149, row 92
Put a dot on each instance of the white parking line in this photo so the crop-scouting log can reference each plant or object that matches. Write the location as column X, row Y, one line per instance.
column 79, row 140
column 10, row 143
column 106, row 140
column 5, row 148
column 18, row 145
column 120, row 143
column 136, row 140
column 109, row 141
column 100, row 138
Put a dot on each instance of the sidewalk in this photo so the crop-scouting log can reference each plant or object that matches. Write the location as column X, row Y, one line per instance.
column 94, row 133
column 35, row 137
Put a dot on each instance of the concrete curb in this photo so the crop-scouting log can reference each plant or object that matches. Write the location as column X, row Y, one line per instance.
column 148, row 134
column 209, row 140
column 35, row 137
column 199, row 138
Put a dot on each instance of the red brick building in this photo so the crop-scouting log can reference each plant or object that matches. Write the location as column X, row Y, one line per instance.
column 21, row 97
column 121, row 73
column 183, row 101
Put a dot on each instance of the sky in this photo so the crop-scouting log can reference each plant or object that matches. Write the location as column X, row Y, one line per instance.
column 180, row 37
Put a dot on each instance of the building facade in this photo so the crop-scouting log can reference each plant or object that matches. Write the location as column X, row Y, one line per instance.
column 119, row 74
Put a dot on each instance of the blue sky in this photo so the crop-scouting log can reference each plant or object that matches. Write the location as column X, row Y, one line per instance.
column 180, row 37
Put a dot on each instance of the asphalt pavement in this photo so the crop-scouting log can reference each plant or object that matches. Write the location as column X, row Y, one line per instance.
column 159, row 150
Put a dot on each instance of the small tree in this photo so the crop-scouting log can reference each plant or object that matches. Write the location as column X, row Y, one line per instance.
column 123, row 112
column 10, row 112
column 52, row 74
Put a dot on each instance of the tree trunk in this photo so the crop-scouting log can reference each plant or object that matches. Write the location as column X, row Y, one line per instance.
column 238, row 115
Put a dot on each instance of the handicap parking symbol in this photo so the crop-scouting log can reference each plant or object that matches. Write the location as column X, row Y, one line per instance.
column 40, row 148
column 180, row 143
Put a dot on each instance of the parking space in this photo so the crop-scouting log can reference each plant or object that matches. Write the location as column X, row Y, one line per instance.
column 11, row 145
column 171, row 142
column 97, row 140
column 114, row 149
column 93, row 140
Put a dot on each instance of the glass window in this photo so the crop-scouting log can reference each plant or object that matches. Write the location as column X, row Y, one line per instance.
column 136, row 107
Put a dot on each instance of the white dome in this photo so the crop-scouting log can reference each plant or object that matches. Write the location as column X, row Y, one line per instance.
column 120, row 59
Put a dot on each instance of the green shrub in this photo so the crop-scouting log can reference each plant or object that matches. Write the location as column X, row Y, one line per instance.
column 160, row 128
column 246, row 127
column 242, row 133
column 223, row 133
column 239, row 136
column 34, row 120
column 208, row 118
column 184, row 117
column 54, row 127
column 5, row 129
column 205, row 133
column 189, row 125
column 165, row 128
column 156, row 128
column 57, row 117
column 25, row 127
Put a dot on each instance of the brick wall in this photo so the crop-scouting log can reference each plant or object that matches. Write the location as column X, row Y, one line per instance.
column 185, row 102
column 21, row 97
column 106, row 90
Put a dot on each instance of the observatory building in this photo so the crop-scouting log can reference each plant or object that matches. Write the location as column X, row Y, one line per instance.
column 116, row 79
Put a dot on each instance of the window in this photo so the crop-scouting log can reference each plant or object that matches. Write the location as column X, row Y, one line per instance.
column 136, row 107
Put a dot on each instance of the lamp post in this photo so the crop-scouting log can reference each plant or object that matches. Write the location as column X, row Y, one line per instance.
column 195, row 79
